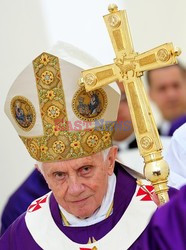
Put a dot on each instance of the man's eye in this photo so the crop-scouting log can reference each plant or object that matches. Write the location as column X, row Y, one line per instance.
column 59, row 175
column 162, row 89
column 85, row 170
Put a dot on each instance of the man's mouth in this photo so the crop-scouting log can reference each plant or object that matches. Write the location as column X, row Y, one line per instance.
column 80, row 200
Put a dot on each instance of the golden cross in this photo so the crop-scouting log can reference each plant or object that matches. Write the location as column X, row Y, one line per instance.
column 128, row 67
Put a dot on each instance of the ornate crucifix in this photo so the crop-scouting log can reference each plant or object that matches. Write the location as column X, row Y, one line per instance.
column 128, row 67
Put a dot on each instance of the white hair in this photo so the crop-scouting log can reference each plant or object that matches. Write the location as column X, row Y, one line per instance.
column 40, row 166
column 105, row 153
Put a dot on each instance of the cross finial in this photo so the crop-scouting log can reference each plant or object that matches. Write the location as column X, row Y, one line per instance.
column 177, row 51
column 112, row 8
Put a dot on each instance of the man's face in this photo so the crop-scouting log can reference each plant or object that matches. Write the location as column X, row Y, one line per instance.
column 79, row 185
column 168, row 91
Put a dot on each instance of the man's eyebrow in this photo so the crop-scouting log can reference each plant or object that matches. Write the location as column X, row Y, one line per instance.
column 51, row 171
column 86, row 165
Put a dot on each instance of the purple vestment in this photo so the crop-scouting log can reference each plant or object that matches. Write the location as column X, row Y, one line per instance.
column 176, row 124
column 32, row 188
column 167, row 228
column 17, row 237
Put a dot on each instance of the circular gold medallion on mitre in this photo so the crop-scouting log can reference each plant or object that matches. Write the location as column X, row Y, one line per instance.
column 23, row 112
column 89, row 106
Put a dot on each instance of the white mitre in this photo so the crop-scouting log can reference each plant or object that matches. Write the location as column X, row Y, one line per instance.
column 55, row 117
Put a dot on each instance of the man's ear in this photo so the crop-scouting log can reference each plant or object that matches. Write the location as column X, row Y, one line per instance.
column 36, row 165
column 111, row 158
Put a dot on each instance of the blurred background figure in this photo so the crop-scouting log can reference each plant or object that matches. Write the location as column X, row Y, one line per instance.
column 125, row 139
column 124, row 136
column 167, row 89
column 128, row 152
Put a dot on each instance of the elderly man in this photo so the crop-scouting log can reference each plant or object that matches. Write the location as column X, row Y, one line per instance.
column 35, row 185
column 95, row 202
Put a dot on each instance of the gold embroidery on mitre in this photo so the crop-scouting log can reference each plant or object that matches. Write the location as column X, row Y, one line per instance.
column 89, row 106
column 92, row 141
column 44, row 59
column 45, row 148
column 60, row 142
column 34, row 149
column 23, row 112
column 53, row 111
column 50, row 90
column 58, row 147
column 47, row 77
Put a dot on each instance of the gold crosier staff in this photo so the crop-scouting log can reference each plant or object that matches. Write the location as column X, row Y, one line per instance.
column 128, row 67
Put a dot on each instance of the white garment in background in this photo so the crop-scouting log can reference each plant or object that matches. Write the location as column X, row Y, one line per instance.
column 164, row 127
column 176, row 155
column 177, row 177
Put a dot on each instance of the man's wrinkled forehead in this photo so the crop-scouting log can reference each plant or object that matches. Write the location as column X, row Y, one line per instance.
column 176, row 71
column 75, row 163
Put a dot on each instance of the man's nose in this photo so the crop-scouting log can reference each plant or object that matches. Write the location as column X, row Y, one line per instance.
column 171, row 93
column 75, row 187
